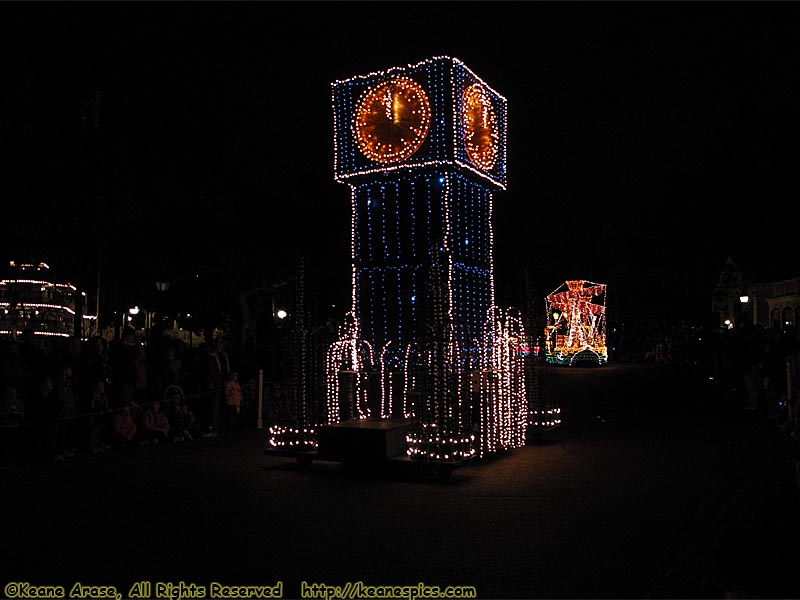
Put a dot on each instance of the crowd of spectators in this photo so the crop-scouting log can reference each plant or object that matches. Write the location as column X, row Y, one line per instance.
column 73, row 396
column 747, row 369
column 757, row 369
column 749, row 366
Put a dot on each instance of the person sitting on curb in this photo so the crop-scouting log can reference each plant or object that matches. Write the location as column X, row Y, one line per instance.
column 123, row 425
column 155, row 425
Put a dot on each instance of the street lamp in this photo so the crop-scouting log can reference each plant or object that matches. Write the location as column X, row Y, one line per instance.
column 744, row 299
column 281, row 314
column 162, row 288
column 133, row 312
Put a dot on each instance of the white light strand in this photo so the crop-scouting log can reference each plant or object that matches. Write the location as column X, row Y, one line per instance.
column 46, row 333
column 503, row 403
column 386, row 383
column 40, row 305
column 38, row 282
column 410, row 165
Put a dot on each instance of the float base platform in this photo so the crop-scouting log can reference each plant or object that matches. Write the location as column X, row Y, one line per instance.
column 364, row 441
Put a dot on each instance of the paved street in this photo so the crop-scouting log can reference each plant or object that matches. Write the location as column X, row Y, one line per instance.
column 626, row 500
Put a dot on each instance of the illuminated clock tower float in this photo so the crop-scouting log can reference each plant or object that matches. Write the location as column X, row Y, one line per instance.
column 424, row 356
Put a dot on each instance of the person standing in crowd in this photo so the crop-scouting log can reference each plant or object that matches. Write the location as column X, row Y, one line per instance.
column 99, row 422
column 122, row 355
column 214, row 373
column 71, row 351
column 11, row 415
column 62, row 412
column 32, row 360
column 233, row 401
column 169, row 366
column 141, row 389
column 91, row 383
column 96, row 367
column 10, row 364
column 773, row 369
column 38, row 417
column 11, row 401
column 754, row 387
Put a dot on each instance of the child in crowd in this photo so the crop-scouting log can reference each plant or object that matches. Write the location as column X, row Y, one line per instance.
column 181, row 418
column 124, row 425
column 11, row 414
column 155, row 425
column 187, row 421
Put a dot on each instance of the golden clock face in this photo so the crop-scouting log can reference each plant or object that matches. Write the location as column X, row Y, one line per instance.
column 480, row 126
column 392, row 120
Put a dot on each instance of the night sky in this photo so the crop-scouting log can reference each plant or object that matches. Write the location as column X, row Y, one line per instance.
column 647, row 141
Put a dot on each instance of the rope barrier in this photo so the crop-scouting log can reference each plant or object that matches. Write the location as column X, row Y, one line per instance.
column 110, row 411
column 23, row 423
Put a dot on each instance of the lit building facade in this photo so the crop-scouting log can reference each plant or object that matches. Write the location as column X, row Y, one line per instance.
column 31, row 300
column 775, row 304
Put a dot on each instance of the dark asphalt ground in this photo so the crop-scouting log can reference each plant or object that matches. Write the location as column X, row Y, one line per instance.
column 630, row 498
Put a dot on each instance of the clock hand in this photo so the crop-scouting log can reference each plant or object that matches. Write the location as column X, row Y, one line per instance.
column 387, row 104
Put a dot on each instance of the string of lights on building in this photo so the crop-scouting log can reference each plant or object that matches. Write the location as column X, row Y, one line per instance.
column 31, row 301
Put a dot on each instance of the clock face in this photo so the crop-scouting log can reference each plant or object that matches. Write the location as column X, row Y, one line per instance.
column 480, row 126
column 392, row 120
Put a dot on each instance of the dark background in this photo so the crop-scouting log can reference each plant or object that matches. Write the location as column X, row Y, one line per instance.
column 647, row 141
